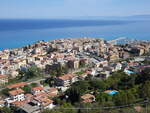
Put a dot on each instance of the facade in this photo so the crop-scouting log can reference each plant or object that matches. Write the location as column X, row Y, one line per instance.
column 2, row 103
column 17, row 95
column 37, row 90
column 66, row 80
column 3, row 79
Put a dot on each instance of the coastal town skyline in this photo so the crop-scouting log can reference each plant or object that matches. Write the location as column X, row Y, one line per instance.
column 74, row 56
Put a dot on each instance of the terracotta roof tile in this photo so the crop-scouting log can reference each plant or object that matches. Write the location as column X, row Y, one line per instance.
column 2, row 102
column 53, row 89
column 17, row 85
column 37, row 88
column 3, row 76
column 19, row 103
column 67, row 77
column 87, row 101
column 16, row 92
column 52, row 94
column 28, row 95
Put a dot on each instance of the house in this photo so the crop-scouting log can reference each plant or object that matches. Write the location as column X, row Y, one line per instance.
column 88, row 98
column 73, row 64
column 30, row 108
column 17, row 95
column 14, row 73
column 36, row 90
column 44, row 102
column 3, row 79
column 103, row 63
column 115, row 66
column 53, row 92
column 17, row 85
column 18, row 103
column 66, row 80
column 28, row 97
column 104, row 74
column 2, row 103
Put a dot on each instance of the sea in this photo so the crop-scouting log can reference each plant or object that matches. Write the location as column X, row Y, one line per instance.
column 16, row 33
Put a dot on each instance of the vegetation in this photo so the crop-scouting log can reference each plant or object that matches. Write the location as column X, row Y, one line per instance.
column 27, row 89
column 31, row 72
column 131, row 90
column 56, row 70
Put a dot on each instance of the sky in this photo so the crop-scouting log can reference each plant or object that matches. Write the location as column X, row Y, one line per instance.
column 72, row 8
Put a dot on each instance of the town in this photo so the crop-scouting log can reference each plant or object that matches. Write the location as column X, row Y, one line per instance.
column 47, row 75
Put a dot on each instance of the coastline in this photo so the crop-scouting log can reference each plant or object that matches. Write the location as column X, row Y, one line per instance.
column 19, row 38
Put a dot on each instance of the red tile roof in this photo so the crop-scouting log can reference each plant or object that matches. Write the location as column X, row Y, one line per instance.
column 53, row 89
column 37, row 88
column 17, row 85
column 3, row 76
column 87, row 101
column 28, row 95
column 52, row 94
column 2, row 102
column 67, row 77
column 16, row 92
column 19, row 103
column 44, row 100
column 41, row 94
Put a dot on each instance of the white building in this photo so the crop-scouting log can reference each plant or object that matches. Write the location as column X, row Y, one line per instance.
column 37, row 90
column 17, row 95
column 66, row 80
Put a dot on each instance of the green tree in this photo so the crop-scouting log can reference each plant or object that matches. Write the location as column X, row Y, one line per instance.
column 5, row 92
column 104, row 99
column 27, row 89
column 51, row 111
column 143, row 76
column 76, row 90
column 67, row 108
column 145, row 90
column 120, row 98
column 97, row 84
column 34, row 84
column 5, row 110
column 124, row 98
column 31, row 72
column 73, row 94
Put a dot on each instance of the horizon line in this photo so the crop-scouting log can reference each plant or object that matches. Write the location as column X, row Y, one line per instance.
column 71, row 17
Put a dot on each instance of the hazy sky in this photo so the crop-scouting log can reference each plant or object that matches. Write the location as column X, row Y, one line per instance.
column 70, row 8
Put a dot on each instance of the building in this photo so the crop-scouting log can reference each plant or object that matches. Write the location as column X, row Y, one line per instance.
column 17, row 95
column 30, row 108
column 3, row 79
column 2, row 103
column 44, row 102
column 36, row 90
column 17, row 85
column 53, row 92
column 88, row 98
column 66, row 80
column 73, row 64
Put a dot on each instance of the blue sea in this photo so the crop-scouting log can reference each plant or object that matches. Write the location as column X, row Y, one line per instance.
column 15, row 33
